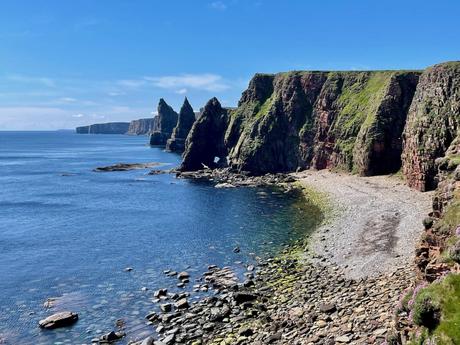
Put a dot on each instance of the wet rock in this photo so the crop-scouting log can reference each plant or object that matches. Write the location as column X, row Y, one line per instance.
column 111, row 337
column 242, row 297
column 182, row 304
column 62, row 319
column 126, row 167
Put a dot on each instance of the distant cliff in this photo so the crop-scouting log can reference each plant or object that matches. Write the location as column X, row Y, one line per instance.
column 140, row 127
column 353, row 121
column 104, row 128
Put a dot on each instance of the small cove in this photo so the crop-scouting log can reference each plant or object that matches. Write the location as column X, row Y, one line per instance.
column 69, row 232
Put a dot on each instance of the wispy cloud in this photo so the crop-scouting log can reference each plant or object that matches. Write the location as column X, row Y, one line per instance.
column 204, row 82
column 218, row 5
column 182, row 91
column 131, row 83
column 18, row 78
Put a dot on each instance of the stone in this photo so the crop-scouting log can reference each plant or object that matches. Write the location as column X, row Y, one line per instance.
column 62, row 319
column 327, row 308
column 182, row 304
column 242, row 297
column 166, row 308
column 343, row 339
column 183, row 276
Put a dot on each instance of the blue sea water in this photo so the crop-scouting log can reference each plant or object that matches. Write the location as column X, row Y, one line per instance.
column 69, row 232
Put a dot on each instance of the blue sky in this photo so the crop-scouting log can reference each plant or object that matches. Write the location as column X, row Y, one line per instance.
column 68, row 63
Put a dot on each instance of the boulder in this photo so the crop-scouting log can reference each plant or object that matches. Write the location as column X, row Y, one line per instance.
column 62, row 319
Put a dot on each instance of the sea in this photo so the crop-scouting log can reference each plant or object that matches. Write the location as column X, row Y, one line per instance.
column 69, row 233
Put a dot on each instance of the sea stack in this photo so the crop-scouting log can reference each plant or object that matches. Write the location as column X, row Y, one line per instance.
column 163, row 124
column 205, row 143
column 183, row 127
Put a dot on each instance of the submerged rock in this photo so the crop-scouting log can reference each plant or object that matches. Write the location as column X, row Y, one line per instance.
column 126, row 166
column 62, row 319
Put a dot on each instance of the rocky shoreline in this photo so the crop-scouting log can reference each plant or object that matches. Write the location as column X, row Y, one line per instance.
column 304, row 295
column 298, row 297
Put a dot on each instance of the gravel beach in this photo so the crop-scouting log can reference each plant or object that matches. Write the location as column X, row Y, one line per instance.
column 375, row 225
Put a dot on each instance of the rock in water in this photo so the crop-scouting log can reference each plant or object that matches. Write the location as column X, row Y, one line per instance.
column 163, row 124
column 205, row 141
column 57, row 320
column 183, row 127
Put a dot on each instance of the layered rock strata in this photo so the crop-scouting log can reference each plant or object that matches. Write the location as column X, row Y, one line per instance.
column 432, row 125
column 140, row 127
column 298, row 120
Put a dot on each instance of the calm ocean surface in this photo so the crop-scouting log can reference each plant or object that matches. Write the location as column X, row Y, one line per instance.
column 69, row 232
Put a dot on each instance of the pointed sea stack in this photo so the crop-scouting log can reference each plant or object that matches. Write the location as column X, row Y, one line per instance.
column 183, row 127
column 205, row 142
column 163, row 124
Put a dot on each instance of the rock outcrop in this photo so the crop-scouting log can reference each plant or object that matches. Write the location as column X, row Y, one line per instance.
column 104, row 128
column 298, row 120
column 163, row 124
column 432, row 125
column 183, row 127
column 62, row 319
column 205, row 142
column 140, row 127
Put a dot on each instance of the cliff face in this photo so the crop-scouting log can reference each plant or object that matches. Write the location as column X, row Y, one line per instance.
column 432, row 125
column 163, row 124
column 104, row 128
column 183, row 127
column 347, row 120
column 140, row 127
column 205, row 141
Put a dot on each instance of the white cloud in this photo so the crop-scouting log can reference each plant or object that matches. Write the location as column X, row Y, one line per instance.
column 131, row 83
column 32, row 80
column 204, row 82
column 116, row 93
column 67, row 99
column 78, row 115
column 218, row 5
column 182, row 91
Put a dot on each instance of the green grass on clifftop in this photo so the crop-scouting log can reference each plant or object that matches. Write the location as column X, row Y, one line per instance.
column 445, row 295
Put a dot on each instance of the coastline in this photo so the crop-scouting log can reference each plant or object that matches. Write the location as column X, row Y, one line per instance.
column 309, row 295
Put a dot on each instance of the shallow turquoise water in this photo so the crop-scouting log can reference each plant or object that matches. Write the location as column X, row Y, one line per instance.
column 69, row 232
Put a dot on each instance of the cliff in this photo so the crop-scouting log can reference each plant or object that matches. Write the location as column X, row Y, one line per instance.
column 298, row 120
column 184, row 125
column 163, row 124
column 104, row 128
column 433, row 123
column 140, row 127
